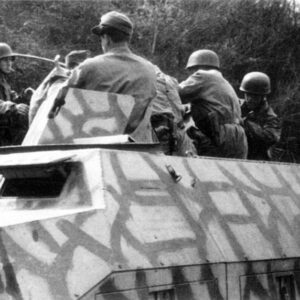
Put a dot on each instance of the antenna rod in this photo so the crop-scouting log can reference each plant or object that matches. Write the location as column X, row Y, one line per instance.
column 40, row 58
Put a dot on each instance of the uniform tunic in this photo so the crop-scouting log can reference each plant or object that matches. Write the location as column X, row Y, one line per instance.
column 5, row 94
column 262, row 129
column 12, row 127
column 213, row 100
column 168, row 102
column 119, row 71
column 5, row 138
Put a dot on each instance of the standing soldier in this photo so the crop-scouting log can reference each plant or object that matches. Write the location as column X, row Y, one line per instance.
column 215, row 108
column 261, row 124
column 13, row 115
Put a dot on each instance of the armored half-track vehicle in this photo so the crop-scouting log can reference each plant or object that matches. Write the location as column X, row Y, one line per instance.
column 88, row 213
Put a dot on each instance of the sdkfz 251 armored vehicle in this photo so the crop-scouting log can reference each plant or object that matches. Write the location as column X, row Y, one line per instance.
column 88, row 214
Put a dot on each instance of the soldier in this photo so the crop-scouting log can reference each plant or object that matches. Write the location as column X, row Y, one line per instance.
column 167, row 117
column 215, row 108
column 118, row 70
column 14, row 115
column 261, row 124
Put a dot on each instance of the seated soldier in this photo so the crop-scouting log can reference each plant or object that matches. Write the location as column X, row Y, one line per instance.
column 117, row 70
column 262, row 126
column 167, row 117
column 214, row 107
column 14, row 113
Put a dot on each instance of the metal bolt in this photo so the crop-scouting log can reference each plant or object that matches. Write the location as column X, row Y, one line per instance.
column 176, row 177
column 193, row 182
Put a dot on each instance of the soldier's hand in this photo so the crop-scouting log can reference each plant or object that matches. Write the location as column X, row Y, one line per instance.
column 22, row 109
column 14, row 95
column 252, row 129
column 7, row 107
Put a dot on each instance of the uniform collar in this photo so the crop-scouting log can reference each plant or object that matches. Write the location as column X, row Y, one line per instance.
column 121, row 49
column 211, row 71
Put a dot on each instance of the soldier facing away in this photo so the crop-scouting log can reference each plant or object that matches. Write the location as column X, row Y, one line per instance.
column 13, row 113
column 118, row 70
column 215, row 108
column 261, row 124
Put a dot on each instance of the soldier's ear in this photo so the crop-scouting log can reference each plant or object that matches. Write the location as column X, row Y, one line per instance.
column 109, row 41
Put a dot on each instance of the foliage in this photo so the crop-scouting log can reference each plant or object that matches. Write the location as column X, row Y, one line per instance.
column 248, row 35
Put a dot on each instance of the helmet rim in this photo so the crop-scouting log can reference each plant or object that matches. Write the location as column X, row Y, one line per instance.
column 203, row 58
column 257, row 83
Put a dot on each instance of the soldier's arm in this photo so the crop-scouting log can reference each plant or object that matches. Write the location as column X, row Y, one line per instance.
column 7, row 106
column 268, row 133
column 189, row 89
column 272, row 130
column 75, row 78
column 79, row 76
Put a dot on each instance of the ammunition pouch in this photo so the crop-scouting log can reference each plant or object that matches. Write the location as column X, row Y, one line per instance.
column 165, row 129
column 210, row 126
column 203, row 143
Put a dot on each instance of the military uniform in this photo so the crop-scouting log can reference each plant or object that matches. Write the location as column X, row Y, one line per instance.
column 167, row 117
column 216, row 112
column 118, row 70
column 261, row 124
column 5, row 106
column 13, row 126
column 262, row 128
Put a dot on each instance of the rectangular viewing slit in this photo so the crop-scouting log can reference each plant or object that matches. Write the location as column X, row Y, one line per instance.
column 35, row 181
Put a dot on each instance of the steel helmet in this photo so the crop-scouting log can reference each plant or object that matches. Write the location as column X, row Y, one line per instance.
column 5, row 51
column 256, row 83
column 204, row 58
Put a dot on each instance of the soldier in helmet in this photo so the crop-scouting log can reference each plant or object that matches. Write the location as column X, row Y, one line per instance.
column 14, row 115
column 215, row 108
column 261, row 124
column 118, row 70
